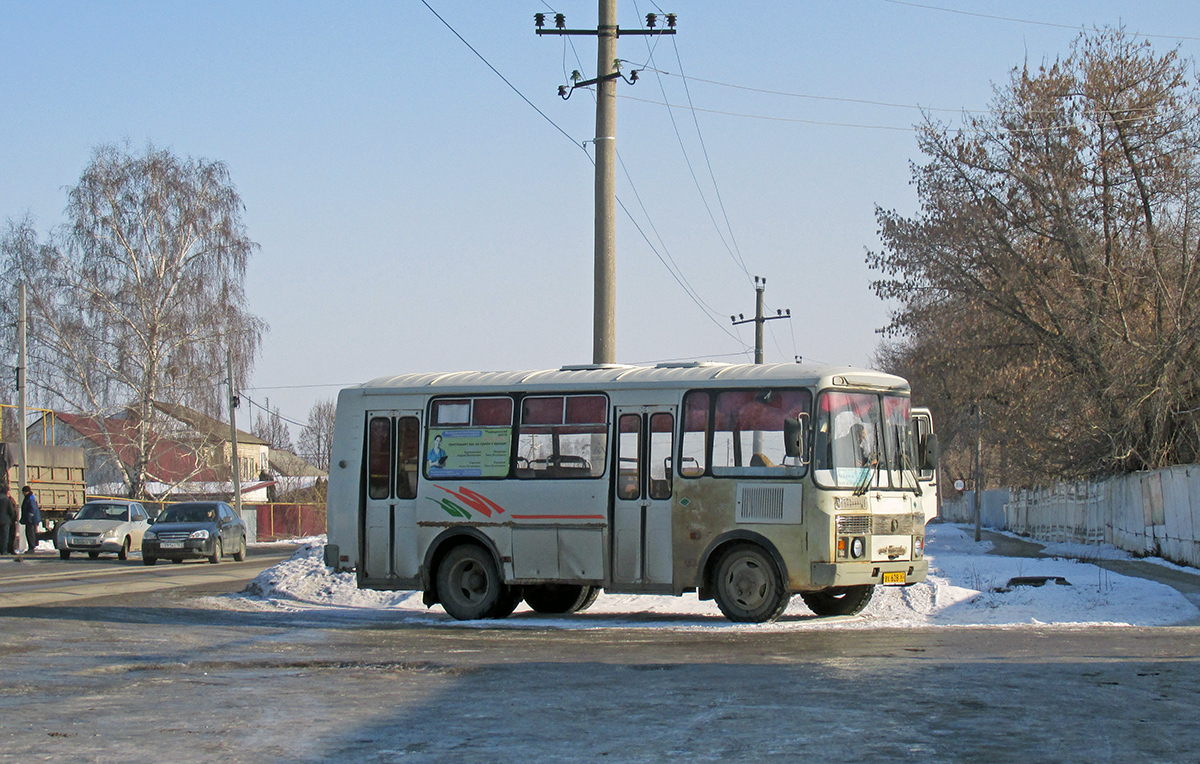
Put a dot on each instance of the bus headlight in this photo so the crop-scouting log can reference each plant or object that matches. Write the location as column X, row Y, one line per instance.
column 858, row 547
column 918, row 547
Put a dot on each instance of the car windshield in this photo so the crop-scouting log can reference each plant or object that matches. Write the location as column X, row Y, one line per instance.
column 188, row 514
column 103, row 512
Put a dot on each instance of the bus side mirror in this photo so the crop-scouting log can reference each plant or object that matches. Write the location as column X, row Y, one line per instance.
column 929, row 452
column 793, row 436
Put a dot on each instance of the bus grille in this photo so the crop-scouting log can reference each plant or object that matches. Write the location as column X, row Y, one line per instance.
column 764, row 503
column 852, row 524
column 879, row 525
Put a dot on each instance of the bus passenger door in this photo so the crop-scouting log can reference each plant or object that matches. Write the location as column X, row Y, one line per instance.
column 388, row 527
column 641, row 516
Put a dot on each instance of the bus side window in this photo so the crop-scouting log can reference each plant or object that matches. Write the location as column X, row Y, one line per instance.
column 379, row 457
column 408, row 449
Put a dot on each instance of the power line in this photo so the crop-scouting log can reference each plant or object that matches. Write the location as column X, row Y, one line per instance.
column 1078, row 28
column 581, row 145
column 501, row 76
column 712, row 175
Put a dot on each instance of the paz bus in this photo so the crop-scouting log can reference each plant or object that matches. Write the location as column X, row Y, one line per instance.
column 743, row 483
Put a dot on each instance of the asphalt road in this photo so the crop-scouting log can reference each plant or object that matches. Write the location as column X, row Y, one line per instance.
column 123, row 673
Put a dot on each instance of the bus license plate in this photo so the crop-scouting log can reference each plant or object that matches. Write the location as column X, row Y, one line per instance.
column 179, row 545
column 894, row 578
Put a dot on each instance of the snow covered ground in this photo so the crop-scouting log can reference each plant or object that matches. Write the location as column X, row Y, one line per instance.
column 966, row 586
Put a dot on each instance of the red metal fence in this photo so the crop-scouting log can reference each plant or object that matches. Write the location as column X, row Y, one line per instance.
column 288, row 521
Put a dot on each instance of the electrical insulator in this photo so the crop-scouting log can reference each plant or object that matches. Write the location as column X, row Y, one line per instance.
column 651, row 20
column 539, row 20
column 560, row 21
column 236, row 402
column 633, row 76
column 562, row 91
column 670, row 20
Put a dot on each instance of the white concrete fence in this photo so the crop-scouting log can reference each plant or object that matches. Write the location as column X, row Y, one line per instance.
column 1147, row 513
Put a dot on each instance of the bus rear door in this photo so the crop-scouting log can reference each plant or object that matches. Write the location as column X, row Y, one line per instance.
column 388, row 527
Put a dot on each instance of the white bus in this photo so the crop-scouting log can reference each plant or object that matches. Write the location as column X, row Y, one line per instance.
column 743, row 483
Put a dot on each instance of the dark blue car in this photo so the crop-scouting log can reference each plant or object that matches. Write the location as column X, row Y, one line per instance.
column 194, row 529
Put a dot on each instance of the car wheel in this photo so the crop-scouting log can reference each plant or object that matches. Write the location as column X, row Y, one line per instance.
column 177, row 560
column 64, row 553
column 215, row 557
column 149, row 560
column 93, row 555
column 124, row 553
column 240, row 554
column 747, row 586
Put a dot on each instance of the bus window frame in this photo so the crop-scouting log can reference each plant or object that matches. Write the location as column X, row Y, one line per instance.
column 886, row 469
column 767, row 473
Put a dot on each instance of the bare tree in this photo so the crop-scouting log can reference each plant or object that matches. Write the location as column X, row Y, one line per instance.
column 1052, row 271
column 137, row 298
column 316, row 440
column 271, row 428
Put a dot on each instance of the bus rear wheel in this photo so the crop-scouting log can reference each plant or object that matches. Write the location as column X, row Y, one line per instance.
column 469, row 585
column 748, row 587
column 555, row 599
column 840, row 600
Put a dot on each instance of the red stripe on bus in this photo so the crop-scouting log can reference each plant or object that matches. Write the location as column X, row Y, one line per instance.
column 558, row 517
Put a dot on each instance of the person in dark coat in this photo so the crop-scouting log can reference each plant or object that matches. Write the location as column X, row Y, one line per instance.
column 30, row 517
column 8, row 522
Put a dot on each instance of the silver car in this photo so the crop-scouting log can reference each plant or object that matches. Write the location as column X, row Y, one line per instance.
column 104, row 525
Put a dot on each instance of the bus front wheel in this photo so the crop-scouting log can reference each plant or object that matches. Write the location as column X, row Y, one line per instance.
column 748, row 587
column 470, row 587
column 840, row 600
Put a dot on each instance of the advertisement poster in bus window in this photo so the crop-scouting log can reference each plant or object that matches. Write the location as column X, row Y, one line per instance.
column 460, row 452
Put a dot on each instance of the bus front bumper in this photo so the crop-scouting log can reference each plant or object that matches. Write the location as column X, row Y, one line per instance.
column 900, row 572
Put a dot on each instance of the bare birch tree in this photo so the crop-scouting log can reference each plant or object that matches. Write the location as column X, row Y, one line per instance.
column 1052, row 271
column 137, row 297
column 271, row 428
column 316, row 440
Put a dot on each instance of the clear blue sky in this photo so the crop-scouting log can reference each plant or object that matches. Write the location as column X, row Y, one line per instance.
column 414, row 214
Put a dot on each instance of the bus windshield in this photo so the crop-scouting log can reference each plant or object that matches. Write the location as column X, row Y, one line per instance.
column 863, row 440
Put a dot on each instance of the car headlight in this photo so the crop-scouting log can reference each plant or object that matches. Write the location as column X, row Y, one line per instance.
column 150, row 535
column 111, row 533
column 200, row 534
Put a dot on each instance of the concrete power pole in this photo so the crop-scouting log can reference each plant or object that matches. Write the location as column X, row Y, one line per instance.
column 604, row 308
column 236, row 471
column 22, row 402
column 759, row 319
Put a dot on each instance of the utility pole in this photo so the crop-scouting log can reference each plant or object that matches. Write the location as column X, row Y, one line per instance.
column 22, row 407
column 233, row 446
column 978, row 470
column 608, row 69
column 759, row 319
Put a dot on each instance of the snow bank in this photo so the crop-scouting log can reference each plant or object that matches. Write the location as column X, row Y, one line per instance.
column 966, row 586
